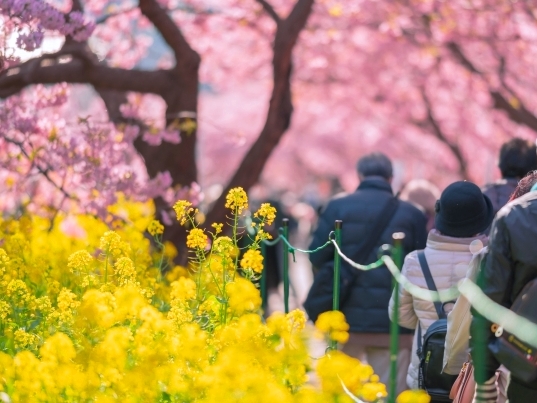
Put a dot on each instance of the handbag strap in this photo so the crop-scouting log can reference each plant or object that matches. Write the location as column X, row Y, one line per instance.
column 378, row 228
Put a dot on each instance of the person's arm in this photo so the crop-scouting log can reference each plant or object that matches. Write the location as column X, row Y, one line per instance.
column 407, row 315
column 324, row 226
column 494, row 279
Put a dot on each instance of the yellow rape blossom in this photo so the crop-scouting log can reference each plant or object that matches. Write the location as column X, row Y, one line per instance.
column 217, row 228
column 266, row 212
column 184, row 334
column 237, row 200
column 413, row 396
column 24, row 340
column 252, row 259
column 333, row 324
column 79, row 261
column 155, row 228
column 111, row 244
column 5, row 310
column 183, row 289
column 182, row 210
column 243, row 296
column 223, row 245
column 262, row 235
column 125, row 271
column 196, row 239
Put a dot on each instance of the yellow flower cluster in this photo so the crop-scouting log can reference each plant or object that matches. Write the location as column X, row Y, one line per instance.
column 182, row 210
column 217, row 228
column 194, row 334
column 252, row 260
column 237, row 200
column 337, row 370
column 333, row 324
column 196, row 239
column 266, row 212
column 155, row 228
column 413, row 396
column 243, row 296
column 80, row 261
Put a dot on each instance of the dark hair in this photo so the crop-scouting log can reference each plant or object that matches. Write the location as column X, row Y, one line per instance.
column 375, row 164
column 517, row 158
column 524, row 185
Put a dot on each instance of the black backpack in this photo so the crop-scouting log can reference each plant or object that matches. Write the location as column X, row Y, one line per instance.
column 431, row 351
column 519, row 357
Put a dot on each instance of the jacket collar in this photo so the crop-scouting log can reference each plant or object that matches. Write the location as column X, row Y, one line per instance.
column 439, row 241
column 375, row 182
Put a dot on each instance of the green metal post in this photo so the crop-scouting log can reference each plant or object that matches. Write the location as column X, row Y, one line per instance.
column 263, row 281
column 394, row 326
column 337, row 265
column 286, row 265
column 337, row 270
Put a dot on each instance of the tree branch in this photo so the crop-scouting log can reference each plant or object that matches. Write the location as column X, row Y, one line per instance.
column 169, row 31
column 71, row 67
column 43, row 171
column 77, row 6
column 270, row 10
column 439, row 134
column 516, row 111
column 280, row 107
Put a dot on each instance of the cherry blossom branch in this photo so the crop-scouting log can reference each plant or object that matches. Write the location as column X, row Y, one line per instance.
column 519, row 114
column 439, row 134
column 270, row 10
column 169, row 30
column 280, row 107
column 57, row 68
column 42, row 171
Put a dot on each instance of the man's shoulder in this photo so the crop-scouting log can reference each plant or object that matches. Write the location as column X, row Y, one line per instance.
column 526, row 202
column 410, row 209
column 499, row 186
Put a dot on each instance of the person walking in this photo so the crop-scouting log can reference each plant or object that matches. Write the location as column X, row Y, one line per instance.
column 508, row 266
column 517, row 158
column 462, row 212
column 370, row 216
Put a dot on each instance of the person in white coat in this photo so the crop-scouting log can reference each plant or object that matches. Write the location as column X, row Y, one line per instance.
column 462, row 212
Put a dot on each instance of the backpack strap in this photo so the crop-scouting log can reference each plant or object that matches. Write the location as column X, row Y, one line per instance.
column 430, row 283
column 376, row 230
column 437, row 304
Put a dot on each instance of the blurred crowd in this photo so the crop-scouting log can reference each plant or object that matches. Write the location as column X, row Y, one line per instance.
column 462, row 231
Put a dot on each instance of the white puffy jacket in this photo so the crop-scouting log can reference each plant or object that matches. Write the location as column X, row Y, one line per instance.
column 448, row 260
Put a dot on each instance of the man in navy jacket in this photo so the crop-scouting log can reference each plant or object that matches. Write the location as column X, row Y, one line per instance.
column 365, row 305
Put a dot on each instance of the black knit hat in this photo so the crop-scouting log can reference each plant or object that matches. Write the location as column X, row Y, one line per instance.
column 463, row 210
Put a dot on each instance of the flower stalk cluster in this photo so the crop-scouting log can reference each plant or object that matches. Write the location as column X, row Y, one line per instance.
column 93, row 319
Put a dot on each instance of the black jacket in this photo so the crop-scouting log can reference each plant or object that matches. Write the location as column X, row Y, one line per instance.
column 510, row 264
column 366, row 307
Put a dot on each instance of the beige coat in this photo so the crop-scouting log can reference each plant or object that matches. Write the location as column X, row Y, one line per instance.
column 459, row 319
column 448, row 260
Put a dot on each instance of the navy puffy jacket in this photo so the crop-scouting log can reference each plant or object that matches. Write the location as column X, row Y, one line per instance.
column 366, row 306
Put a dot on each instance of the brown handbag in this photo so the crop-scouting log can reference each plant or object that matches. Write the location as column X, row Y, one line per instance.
column 464, row 387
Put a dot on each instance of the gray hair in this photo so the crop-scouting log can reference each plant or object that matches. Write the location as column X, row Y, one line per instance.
column 375, row 164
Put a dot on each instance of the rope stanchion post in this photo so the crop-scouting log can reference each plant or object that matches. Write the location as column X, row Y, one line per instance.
column 394, row 326
column 337, row 265
column 286, row 265
column 263, row 280
column 337, row 270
